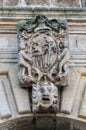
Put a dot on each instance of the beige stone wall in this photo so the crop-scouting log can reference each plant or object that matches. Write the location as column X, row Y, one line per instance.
column 57, row 3
column 14, row 100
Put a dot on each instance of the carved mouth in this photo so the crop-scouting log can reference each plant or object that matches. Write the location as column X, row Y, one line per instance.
column 46, row 99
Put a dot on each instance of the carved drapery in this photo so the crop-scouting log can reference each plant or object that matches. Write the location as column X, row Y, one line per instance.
column 43, row 60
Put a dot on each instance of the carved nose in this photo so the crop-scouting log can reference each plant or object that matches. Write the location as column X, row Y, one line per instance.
column 45, row 93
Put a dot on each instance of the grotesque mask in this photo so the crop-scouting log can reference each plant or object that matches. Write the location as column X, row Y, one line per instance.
column 45, row 97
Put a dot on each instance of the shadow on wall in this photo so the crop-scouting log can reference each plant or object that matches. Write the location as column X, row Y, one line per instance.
column 57, row 3
column 43, row 123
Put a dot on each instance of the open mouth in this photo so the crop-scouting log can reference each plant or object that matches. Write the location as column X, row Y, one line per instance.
column 45, row 99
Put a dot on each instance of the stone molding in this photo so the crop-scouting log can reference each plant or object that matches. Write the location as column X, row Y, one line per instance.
column 77, row 28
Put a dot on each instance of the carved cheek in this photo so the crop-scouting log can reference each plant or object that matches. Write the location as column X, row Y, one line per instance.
column 55, row 101
column 34, row 93
column 35, row 101
column 56, row 96
column 39, row 96
column 50, row 90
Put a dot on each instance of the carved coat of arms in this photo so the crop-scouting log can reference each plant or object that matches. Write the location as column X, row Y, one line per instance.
column 43, row 59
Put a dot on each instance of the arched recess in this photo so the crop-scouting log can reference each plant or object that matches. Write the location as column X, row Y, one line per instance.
column 48, row 122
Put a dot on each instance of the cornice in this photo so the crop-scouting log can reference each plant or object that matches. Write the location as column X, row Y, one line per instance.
column 17, row 13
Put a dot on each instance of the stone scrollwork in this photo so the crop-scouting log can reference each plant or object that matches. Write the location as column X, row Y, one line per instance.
column 43, row 59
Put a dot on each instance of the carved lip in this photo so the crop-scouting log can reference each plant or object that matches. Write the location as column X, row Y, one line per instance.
column 45, row 99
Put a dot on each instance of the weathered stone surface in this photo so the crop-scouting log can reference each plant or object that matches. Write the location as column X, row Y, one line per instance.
column 82, row 113
column 9, row 2
column 69, row 93
column 58, row 3
column 83, row 3
column 4, row 106
column 8, row 58
column 1, row 2
column 21, row 95
column 78, row 97
column 66, row 3
column 43, row 60
column 38, row 2
column 45, row 98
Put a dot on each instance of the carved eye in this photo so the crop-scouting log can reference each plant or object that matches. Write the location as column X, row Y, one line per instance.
column 49, row 89
column 42, row 90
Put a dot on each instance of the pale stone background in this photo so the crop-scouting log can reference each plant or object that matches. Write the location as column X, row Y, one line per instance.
column 57, row 3
column 14, row 100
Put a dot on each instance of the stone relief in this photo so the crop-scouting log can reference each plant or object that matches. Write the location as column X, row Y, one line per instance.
column 45, row 97
column 43, row 60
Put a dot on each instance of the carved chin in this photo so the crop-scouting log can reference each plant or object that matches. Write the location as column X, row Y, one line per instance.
column 45, row 103
column 47, row 108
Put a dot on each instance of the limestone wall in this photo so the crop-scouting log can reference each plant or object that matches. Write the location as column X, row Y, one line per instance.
column 57, row 3
column 14, row 100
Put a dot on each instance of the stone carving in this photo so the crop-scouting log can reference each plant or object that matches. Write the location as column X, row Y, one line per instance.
column 43, row 58
column 45, row 97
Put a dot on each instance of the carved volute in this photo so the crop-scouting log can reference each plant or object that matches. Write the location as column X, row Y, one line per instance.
column 43, row 60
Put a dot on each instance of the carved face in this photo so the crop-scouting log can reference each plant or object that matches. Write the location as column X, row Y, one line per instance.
column 45, row 97
column 44, row 50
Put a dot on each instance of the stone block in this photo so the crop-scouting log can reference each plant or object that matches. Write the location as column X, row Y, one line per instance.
column 9, row 2
column 69, row 92
column 21, row 95
column 65, row 3
column 82, row 113
column 38, row 2
column 78, row 97
column 4, row 106
column 58, row 3
column 1, row 2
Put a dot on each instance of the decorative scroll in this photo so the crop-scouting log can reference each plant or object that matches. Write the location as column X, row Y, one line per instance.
column 43, row 59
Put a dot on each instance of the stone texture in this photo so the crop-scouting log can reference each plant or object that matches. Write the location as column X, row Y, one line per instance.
column 4, row 107
column 58, row 3
column 38, row 2
column 82, row 113
column 43, row 60
column 21, row 95
column 66, row 3
column 9, row 2
column 69, row 92
column 1, row 2
column 9, row 50
column 79, row 95
column 83, row 3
